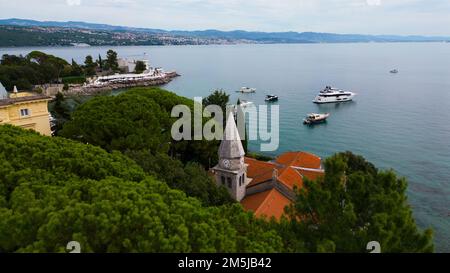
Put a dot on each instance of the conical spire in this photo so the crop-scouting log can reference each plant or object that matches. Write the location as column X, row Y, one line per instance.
column 3, row 93
column 231, row 146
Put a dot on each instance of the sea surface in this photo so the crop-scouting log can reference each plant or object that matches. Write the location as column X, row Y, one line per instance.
column 399, row 121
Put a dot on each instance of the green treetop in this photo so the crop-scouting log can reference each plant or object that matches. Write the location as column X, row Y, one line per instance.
column 353, row 204
column 140, row 67
column 53, row 191
column 111, row 60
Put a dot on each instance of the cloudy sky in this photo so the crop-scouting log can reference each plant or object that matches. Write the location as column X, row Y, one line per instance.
column 407, row 17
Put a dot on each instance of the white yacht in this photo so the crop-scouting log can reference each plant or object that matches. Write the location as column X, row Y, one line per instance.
column 247, row 90
column 245, row 103
column 333, row 95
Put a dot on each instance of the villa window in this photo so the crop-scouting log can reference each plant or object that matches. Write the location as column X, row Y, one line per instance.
column 24, row 112
column 223, row 180
column 229, row 182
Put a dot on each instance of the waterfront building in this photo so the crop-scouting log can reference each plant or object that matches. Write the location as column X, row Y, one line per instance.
column 25, row 109
column 128, row 66
column 265, row 188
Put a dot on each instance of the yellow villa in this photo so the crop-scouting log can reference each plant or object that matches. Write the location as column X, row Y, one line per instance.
column 25, row 109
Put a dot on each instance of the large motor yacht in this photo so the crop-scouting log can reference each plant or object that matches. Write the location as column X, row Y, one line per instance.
column 333, row 95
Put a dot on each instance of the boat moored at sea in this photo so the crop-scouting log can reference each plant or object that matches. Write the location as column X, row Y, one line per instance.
column 247, row 90
column 333, row 95
column 315, row 118
column 245, row 103
column 271, row 98
column 394, row 71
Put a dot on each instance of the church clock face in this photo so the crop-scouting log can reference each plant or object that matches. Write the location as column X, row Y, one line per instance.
column 226, row 163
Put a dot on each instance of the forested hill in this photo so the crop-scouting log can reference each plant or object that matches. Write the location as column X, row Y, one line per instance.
column 14, row 32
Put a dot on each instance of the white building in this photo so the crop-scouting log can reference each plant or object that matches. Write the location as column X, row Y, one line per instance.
column 129, row 65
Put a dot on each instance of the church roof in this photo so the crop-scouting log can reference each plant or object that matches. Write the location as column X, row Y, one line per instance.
column 291, row 169
column 300, row 159
column 290, row 178
column 259, row 171
column 231, row 146
column 269, row 203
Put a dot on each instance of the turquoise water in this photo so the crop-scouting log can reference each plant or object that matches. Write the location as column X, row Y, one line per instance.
column 399, row 121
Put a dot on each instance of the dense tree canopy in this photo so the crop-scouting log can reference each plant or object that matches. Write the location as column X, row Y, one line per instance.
column 352, row 205
column 219, row 98
column 53, row 191
column 40, row 68
column 35, row 68
column 138, row 123
column 120, row 123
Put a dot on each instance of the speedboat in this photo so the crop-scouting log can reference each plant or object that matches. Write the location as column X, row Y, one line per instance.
column 395, row 71
column 270, row 98
column 247, row 90
column 333, row 95
column 245, row 103
column 316, row 118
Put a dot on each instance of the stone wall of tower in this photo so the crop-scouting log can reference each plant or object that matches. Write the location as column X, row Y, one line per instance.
column 233, row 181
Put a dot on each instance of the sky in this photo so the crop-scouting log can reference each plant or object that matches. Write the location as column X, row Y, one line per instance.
column 400, row 17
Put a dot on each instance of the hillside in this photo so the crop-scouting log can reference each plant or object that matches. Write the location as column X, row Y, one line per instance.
column 20, row 32
column 16, row 36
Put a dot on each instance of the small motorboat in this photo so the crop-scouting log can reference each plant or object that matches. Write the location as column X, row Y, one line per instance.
column 316, row 118
column 245, row 103
column 271, row 98
column 394, row 71
column 247, row 90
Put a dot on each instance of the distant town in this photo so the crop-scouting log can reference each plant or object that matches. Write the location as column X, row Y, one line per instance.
column 20, row 32
column 13, row 36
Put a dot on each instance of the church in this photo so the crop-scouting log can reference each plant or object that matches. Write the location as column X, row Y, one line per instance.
column 265, row 188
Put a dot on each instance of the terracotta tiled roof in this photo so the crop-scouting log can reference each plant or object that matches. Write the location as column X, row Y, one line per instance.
column 292, row 168
column 300, row 159
column 259, row 171
column 290, row 178
column 269, row 203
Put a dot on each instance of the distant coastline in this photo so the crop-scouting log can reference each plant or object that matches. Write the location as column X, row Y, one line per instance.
column 23, row 33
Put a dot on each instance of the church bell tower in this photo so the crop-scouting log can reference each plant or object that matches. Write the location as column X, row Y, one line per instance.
column 231, row 172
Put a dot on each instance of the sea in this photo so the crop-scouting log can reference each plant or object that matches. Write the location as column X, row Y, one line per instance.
column 397, row 121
